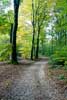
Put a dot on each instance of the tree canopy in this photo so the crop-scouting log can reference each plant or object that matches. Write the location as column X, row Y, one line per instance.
column 39, row 27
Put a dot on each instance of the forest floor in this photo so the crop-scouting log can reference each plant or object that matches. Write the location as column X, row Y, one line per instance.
column 30, row 81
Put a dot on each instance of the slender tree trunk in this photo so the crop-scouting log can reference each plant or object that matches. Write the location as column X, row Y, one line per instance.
column 40, row 19
column 33, row 39
column 15, row 26
column 42, row 43
column 37, row 48
column 11, row 33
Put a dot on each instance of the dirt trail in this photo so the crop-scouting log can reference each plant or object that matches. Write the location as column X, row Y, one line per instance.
column 27, row 82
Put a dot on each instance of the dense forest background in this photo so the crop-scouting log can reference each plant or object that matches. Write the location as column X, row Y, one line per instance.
column 32, row 29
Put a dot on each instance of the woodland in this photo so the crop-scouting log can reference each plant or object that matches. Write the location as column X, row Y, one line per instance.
column 34, row 30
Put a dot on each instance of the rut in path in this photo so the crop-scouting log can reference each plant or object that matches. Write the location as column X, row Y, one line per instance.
column 27, row 82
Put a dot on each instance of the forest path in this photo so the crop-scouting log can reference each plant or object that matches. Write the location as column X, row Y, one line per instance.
column 27, row 82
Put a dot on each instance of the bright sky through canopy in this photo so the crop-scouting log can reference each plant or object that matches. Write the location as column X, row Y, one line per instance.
column 10, row 7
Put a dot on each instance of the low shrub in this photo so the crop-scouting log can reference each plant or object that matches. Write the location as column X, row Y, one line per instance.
column 5, row 52
column 59, row 57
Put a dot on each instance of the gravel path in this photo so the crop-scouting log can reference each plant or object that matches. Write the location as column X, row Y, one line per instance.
column 27, row 82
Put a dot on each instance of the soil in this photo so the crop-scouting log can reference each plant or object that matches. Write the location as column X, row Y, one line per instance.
column 29, row 81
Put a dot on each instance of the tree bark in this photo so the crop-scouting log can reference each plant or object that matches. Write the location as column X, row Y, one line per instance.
column 15, row 26
column 37, row 48
column 11, row 33
column 33, row 39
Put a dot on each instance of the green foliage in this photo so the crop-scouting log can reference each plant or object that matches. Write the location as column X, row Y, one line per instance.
column 61, row 77
column 5, row 52
column 48, row 14
column 5, row 2
column 65, row 65
column 24, row 50
column 59, row 57
column 5, row 47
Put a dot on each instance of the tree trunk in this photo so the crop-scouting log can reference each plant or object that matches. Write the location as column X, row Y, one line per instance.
column 37, row 48
column 42, row 43
column 11, row 33
column 33, row 39
column 15, row 26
